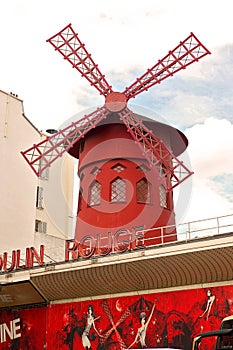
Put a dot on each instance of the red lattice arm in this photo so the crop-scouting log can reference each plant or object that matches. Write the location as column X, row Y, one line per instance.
column 43, row 154
column 74, row 51
column 156, row 151
column 114, row 327
column 188, row 51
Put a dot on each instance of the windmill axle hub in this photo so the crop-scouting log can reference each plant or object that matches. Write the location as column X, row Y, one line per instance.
column 115, row 101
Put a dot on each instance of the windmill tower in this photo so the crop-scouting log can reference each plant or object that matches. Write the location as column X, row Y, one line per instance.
column 128, row 164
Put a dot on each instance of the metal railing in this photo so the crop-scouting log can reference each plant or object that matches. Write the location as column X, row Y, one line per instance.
column 191, row 230
column 175, row 234
column 154, row 237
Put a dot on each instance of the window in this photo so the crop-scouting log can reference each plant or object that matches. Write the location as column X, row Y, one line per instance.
column 39, row 197
column 81, row 145
column 162, row 169
column 95, row 170
column 143, row 191
column 81, row 176
column 41, row 226
column 163, row 196
column 45, row 173
column 143, row 168
column 80, row 199
column 118, row 168
column 118, row 190
column 94, row 193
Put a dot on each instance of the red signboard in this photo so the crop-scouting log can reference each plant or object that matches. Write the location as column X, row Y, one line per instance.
column 23, row 329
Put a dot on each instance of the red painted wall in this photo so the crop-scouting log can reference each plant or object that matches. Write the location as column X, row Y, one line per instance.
column 104, row 148
column 175, row 318
column 29, row 331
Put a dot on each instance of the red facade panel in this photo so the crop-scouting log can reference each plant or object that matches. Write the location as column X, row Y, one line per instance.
column 23, row 329
column 167, row 319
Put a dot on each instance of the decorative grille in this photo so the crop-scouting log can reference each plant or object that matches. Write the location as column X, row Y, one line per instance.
column 95, row 170
column 118, row 168
column 118, row 190
column 94, row 193
column 163, row 196
column 143, row 168
column 162, row 169
column 143, row 191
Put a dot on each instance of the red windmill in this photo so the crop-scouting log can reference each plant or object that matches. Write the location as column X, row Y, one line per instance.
column 122, row 184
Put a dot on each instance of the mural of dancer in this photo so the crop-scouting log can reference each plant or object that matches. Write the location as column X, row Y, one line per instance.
column 210, row 301
column 123, row 322
column 90, row 322
column 141, row 333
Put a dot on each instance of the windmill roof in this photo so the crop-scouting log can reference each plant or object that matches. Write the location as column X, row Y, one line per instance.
column 173, row 138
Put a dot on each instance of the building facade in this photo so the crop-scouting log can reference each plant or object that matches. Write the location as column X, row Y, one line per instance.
column 58, row 293
column 25, row 216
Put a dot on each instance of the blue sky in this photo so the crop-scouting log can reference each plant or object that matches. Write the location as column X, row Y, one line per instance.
column 125, row 38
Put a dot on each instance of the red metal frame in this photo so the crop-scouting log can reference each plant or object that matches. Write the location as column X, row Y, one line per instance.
column 43, row 154
column 156, row 151
column 66, row 42
column 73, row 50
column 188, row 51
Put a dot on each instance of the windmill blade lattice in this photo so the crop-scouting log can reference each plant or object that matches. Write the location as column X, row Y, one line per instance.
column 114, row 327
column 187, row 52
column 73, row 50
column 42, row 155
column 157, row 153
column 68, row 44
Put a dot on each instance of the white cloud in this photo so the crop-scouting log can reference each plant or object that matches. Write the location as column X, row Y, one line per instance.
column 210, row 150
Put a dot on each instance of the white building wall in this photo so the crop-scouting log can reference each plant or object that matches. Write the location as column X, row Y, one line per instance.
column 17, row 182
column 18, row 188
column 57, row 210
column 57, row 203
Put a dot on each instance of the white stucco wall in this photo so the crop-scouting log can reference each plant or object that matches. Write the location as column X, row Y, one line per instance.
column 18, row 187
column 17, row 182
